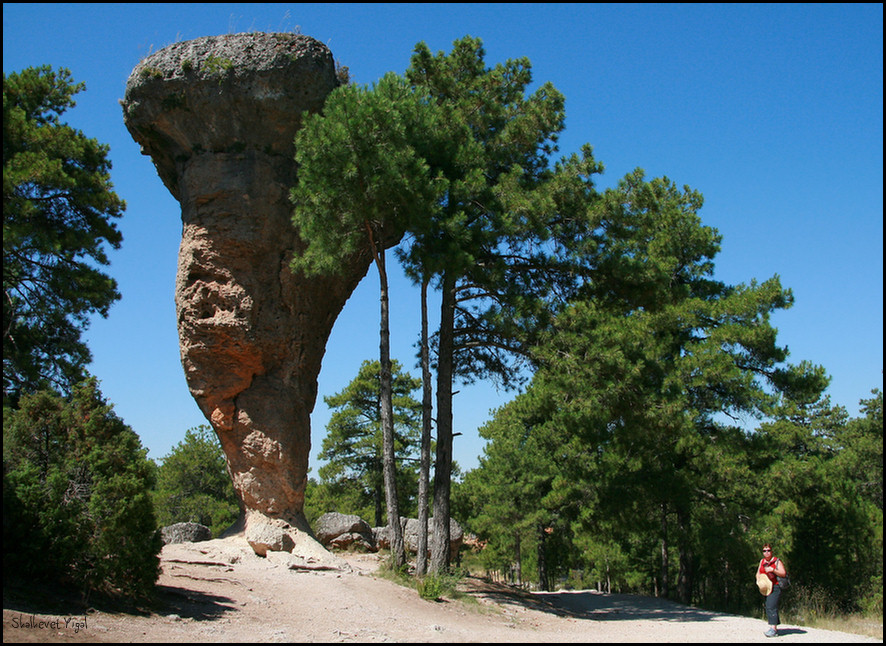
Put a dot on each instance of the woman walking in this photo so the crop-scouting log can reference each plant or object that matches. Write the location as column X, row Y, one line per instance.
column 773, row 568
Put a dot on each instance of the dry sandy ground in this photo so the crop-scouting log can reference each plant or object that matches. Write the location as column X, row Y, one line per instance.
column 219, row 591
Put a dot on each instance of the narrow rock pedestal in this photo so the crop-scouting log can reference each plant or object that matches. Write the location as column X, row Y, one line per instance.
column 218, row 117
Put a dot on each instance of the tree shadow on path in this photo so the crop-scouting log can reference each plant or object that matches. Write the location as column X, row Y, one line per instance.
column 589, row 604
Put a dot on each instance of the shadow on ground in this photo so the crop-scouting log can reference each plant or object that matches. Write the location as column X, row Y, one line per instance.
column 53, row 601
column 589, row 604
column 190, row 604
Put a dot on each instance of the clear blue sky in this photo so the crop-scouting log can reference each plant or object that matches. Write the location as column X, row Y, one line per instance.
column 773, row 112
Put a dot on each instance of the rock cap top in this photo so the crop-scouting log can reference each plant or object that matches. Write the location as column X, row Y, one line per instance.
column 225, row 94
column 214, row 57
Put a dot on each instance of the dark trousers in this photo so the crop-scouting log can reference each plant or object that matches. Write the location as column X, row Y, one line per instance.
column 772, row 605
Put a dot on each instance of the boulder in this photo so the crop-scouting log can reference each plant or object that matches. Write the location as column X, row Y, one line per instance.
column 410, row 535
column 270, row 536
column 343, row 531
column 185, row 533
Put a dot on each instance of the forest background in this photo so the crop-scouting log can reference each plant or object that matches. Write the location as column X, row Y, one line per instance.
column 811, row 441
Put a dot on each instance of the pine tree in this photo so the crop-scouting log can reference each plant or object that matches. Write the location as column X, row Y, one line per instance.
column 482, row 247
column 354, row 446
column 193, row 484
column 58, row 211
column 361, row 184
column 638, row 374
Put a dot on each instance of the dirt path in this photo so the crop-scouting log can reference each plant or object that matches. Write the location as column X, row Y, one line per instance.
column 219, row 591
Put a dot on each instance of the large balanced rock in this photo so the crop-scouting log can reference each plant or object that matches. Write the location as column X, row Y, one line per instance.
column 218, row 116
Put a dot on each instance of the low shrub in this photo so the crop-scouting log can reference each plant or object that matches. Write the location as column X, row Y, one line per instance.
column 76, row 501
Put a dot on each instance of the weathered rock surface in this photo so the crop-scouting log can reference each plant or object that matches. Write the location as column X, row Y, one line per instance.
column 218, row 116
column 347, row 531
column 343, row 531
column 410, row 535
column 185, row 533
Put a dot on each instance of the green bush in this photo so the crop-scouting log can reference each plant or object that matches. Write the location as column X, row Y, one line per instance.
column 440, row 585
column 872, row 602
column 431, row 587
column 76, row 501
column 193, row 484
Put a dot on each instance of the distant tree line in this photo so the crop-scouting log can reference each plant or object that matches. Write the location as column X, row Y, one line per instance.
column 193, row 484
column 683, row 516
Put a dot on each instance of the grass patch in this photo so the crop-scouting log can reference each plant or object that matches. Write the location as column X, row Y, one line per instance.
column 857, row 624
column 813, row 607
column 431, row 587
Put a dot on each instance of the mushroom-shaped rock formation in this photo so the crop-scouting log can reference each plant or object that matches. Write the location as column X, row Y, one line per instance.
column 218, row 117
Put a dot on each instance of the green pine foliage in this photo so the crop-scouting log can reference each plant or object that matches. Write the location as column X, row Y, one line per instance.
column 351, row 480
column 665, row 436
column 362, row 181
column 830, row 516
column 193, row 484
column 58, row 220
column 76, row 495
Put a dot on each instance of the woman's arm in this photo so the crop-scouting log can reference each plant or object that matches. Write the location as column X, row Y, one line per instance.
column 778, row 570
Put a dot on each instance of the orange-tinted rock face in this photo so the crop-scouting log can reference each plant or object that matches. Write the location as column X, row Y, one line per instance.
column 218, row 117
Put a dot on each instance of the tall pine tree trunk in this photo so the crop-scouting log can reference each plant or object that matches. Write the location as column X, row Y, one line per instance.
column 665, row 565
column 421, row 564
column 543, row 581
column 398, row 554
column 684, row 578
column 443, row 465
column 517, row 574
column 377, row 497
